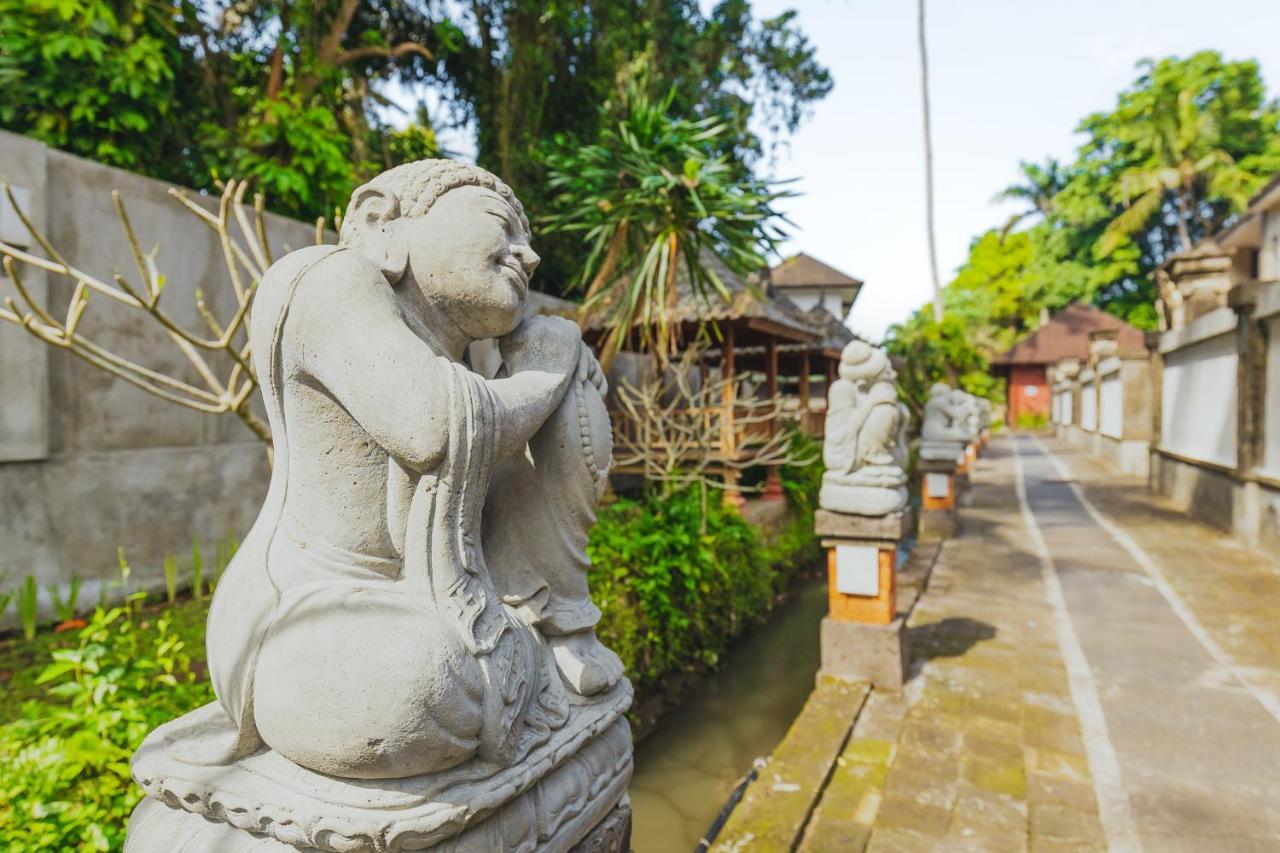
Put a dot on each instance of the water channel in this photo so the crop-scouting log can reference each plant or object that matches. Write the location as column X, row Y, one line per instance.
column 688, row 767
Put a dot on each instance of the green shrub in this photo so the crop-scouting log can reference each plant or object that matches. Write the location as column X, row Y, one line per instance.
column 1032, row 420
column 64, row 766
column 673, row 595
column 676, row 589
column 28, row 607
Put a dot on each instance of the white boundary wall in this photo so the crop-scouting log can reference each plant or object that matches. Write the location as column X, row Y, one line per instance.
column 1088, row 406
column 1198, row 394
column 1271, row 410
column 1111, row 406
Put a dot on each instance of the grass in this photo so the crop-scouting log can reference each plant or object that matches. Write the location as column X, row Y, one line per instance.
column 21, row 660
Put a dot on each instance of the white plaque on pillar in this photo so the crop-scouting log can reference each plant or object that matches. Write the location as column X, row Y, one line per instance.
column 858, row 569
column 937, row 485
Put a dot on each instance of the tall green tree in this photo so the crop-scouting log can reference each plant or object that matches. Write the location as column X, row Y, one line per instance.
column 1181, row 136
column 294, row 95
column 1179, row 154
column 1183, row 149
column 100, row 79
column 931, row 236
column 522, row 72
column 284, row 93
column 1036, row 191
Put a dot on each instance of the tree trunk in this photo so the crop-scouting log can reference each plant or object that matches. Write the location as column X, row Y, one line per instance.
column 1184, row 208
column 928, row 170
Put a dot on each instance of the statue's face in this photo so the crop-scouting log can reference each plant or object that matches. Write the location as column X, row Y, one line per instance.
column 470, row 256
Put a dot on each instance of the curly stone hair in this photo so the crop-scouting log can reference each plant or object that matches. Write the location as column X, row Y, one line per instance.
column 417, row 186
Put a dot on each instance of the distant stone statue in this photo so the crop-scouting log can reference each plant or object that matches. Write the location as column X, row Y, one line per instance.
column 944, row 431
column 967, row 404
column 403, row 649
column 865, row 437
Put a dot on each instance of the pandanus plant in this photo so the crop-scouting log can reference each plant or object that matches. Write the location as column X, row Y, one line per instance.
column 654, row 194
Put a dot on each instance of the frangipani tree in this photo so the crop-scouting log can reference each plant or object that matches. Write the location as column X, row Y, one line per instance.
column 671, row 428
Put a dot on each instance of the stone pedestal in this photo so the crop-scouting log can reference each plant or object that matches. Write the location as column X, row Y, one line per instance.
column 856, row 651
column 611, row 835
column 863, row 636
column 939, row 489
column 561, row 796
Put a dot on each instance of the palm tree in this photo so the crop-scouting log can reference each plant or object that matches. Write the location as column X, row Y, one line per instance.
column 1185, row 164
column 1039, row 186
column 928, row 171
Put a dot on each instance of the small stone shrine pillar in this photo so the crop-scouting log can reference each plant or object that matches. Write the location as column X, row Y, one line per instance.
column 939, row 489
column 963, row 458
column 862, row 520
column 863, row 636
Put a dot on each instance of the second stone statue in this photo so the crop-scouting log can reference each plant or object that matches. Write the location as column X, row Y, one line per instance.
column 403, row 650
column 864, row 447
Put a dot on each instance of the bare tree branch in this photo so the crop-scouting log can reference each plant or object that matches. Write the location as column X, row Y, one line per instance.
column 246, row 256
column 672, row 428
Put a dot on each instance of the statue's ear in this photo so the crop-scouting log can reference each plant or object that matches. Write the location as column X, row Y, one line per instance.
column 376, row 212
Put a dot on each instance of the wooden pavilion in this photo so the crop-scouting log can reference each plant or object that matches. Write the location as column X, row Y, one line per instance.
column 775, row 348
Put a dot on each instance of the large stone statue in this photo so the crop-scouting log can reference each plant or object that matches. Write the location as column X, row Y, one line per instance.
column 944, row 432
column 403, row 649
column 865, row 437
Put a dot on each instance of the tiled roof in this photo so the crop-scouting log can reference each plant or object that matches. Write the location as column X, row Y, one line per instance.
column 1067, row 336
column 835, row 334
column 805, row 271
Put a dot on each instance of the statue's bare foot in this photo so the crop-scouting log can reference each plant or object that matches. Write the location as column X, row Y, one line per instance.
column 585, row 663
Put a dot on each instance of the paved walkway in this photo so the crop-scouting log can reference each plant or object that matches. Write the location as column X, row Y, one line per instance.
column 1092, row 671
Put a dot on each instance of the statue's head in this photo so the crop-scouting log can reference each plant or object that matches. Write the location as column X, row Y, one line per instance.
column 455, row 232
column 862, row 363
column 939, row 390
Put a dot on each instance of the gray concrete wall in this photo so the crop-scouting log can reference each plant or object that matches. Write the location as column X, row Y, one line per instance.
column 87, row 461
column 1203, row 493
column 1126, row 455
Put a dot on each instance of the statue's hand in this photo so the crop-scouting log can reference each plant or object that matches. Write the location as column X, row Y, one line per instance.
column 589, row 370
column 550, row 344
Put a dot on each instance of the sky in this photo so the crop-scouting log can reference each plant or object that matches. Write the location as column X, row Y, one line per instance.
column 1009, row 81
